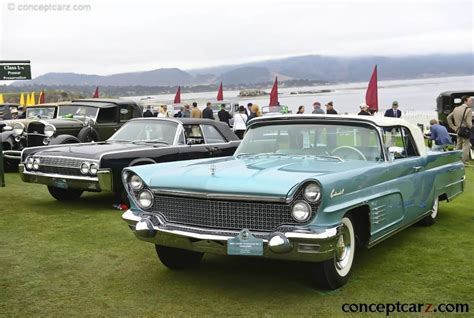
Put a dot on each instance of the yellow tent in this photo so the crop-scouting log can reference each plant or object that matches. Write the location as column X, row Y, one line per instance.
column 1, row 99
column 22, row 100
column 28, row 99
column 33, row 99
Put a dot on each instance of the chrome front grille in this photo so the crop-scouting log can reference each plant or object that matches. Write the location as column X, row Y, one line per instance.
column 61, row 165
column 232, row 215
column 61, row 162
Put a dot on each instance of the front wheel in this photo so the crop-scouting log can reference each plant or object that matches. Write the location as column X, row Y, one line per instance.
column 64, row 194
column 335, row 272
column 176, row 258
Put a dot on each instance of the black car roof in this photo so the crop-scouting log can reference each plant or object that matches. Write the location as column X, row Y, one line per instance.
column 449, row 93
column 102, row 102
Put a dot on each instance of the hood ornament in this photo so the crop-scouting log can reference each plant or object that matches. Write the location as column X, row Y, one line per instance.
column 212, row 168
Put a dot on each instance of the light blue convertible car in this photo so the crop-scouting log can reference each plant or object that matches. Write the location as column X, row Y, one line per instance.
column 307, row 188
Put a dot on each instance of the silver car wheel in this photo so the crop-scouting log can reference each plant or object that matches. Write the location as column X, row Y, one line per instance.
column 434, row 209
column 345, row 248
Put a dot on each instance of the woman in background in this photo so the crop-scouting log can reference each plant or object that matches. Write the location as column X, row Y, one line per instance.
column 240, row 122
column 300, row 110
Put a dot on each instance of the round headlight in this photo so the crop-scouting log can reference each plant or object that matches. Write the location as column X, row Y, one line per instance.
column 312, row 192
column 93, row 168
column 145, row 199
column 136, row 182
column 301, row 211
column 29, row 163
column 18, row 129
column 85, row 168
column 36, row 163
column 49, row 130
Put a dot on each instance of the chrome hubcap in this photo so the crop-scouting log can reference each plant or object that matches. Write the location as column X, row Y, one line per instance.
column 434, row 210
column 343, row 249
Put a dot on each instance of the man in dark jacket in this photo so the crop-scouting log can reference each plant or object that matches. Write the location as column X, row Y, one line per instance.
column 224, row 115
column 394, row 111
column 148, row 112
column 330, row 109
column 207, row 112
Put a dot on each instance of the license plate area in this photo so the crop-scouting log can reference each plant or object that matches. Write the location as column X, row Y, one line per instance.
column 60, row 183
column 245, row 244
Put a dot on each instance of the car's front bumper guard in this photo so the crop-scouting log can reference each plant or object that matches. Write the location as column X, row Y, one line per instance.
column 103, row 181
column 301, row 245
column 12, row 154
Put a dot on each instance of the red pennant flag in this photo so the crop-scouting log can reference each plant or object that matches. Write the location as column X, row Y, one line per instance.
column 274, row 94
column 220, row 93
column 371, row 96
column 96, row 93
column 41, row 98
column 177, row 97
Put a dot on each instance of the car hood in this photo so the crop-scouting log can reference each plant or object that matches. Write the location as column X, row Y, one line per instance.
column 256, row 176
column 90, row 150
column 11, row 122
column 63, row 122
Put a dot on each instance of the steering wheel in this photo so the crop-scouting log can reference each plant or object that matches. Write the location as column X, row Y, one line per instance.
column 351, row 148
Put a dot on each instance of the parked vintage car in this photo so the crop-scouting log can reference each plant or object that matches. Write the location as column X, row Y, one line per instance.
column 83, row 120
column 70, row 170
column 445, row 104
column 310, row 188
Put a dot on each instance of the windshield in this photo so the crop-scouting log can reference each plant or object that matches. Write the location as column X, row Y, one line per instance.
column 338, row 142
column 40, row 112
column 78, row 112
column 147, row 131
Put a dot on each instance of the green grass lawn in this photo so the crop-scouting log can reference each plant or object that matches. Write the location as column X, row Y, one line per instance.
column 80, row 259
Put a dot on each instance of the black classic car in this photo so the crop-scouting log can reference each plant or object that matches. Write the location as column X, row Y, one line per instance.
column 70, row 170
column 83, row 120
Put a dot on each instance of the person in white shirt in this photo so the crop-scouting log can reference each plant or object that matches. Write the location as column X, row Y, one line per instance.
column 240, row 120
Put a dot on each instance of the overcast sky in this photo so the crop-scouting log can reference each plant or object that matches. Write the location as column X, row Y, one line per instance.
column 106, row 37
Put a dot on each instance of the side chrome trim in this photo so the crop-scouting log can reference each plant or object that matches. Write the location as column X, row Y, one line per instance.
column 220, row 196
column 395, row 231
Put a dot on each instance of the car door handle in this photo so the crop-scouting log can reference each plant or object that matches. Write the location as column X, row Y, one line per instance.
column 417, row 168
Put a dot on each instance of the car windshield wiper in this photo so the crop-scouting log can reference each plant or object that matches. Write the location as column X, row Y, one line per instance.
column 261, row 154
column 154, row 141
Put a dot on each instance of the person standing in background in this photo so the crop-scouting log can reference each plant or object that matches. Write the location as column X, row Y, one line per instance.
column 461, row 117
column 240, row 122
column 300, row 110
column 253, row 112
column 364, row 110
column 207, row 112
column 248, row 111
column 317, row 108
column 187, row 111
column 330, row 109
column 148, row 112
column 224, row 115
column 196, row 112
column 394, row 111
column 179, row 114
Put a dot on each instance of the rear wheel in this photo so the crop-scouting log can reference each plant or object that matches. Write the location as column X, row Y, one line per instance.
column 64, row 194
column 176, row 258
column 335, row 272
column 431, row 218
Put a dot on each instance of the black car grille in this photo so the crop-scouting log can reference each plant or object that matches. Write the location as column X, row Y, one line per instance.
column 60, row 170
column 234, row 215
column 61, row 166
column 35, row 134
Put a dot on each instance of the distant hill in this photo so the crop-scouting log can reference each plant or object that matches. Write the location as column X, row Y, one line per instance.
column 311, row 67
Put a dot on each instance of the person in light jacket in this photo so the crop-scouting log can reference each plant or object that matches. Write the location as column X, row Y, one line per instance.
column 240, row 122
column 462, row 117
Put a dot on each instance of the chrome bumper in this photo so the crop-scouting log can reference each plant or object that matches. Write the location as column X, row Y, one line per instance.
column 297, row 244
column 12, row 154
column 103, row 182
